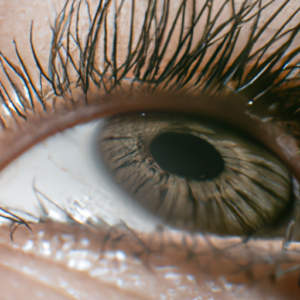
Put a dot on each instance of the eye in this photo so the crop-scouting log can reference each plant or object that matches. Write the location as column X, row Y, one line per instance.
column 92, row 74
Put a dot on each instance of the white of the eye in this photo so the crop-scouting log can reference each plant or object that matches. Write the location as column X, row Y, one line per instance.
column 65, row 170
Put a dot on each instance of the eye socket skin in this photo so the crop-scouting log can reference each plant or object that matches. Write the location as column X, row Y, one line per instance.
column 23, row 134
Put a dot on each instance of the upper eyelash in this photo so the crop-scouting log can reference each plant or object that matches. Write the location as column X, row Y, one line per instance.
column 180, row 71
column 218, row 70
column 216, row 74
column 181, row 68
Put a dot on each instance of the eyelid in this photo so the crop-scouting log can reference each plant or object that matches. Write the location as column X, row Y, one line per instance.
column 231, row 259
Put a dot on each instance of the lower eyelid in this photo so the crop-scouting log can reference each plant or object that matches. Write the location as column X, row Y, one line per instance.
column 125, row 261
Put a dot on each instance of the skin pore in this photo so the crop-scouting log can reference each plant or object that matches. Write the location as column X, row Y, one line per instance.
column 64, row 261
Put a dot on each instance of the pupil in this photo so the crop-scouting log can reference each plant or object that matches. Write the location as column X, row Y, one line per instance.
column 186, row 155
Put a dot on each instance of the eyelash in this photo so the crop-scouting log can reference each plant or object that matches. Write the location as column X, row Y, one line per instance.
column 215, row 75
column 218, row 71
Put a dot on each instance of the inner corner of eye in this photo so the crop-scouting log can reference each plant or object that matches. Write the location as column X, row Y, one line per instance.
column 194, row 174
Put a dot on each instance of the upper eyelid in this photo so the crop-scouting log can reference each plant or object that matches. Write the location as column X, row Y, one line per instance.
column 57, row 85
column 56, row 79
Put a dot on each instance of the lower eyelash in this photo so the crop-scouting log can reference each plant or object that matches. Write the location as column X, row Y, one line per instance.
column 242, row 260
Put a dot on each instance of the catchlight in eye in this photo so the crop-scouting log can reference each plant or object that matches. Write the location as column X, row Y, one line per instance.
column 193, row 174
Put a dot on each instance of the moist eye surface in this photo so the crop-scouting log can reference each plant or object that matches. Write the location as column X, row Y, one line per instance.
column 194, row 174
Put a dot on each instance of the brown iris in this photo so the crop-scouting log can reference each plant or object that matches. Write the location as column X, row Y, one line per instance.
column 195, row 175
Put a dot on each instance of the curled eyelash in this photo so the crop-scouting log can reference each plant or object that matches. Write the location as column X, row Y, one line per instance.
column 270, row 75
column 144, row 60
column 180, row 69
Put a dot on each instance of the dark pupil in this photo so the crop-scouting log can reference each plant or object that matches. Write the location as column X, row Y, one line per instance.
column 186, row 155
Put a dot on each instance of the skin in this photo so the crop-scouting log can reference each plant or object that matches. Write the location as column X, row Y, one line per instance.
column 167, row 264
